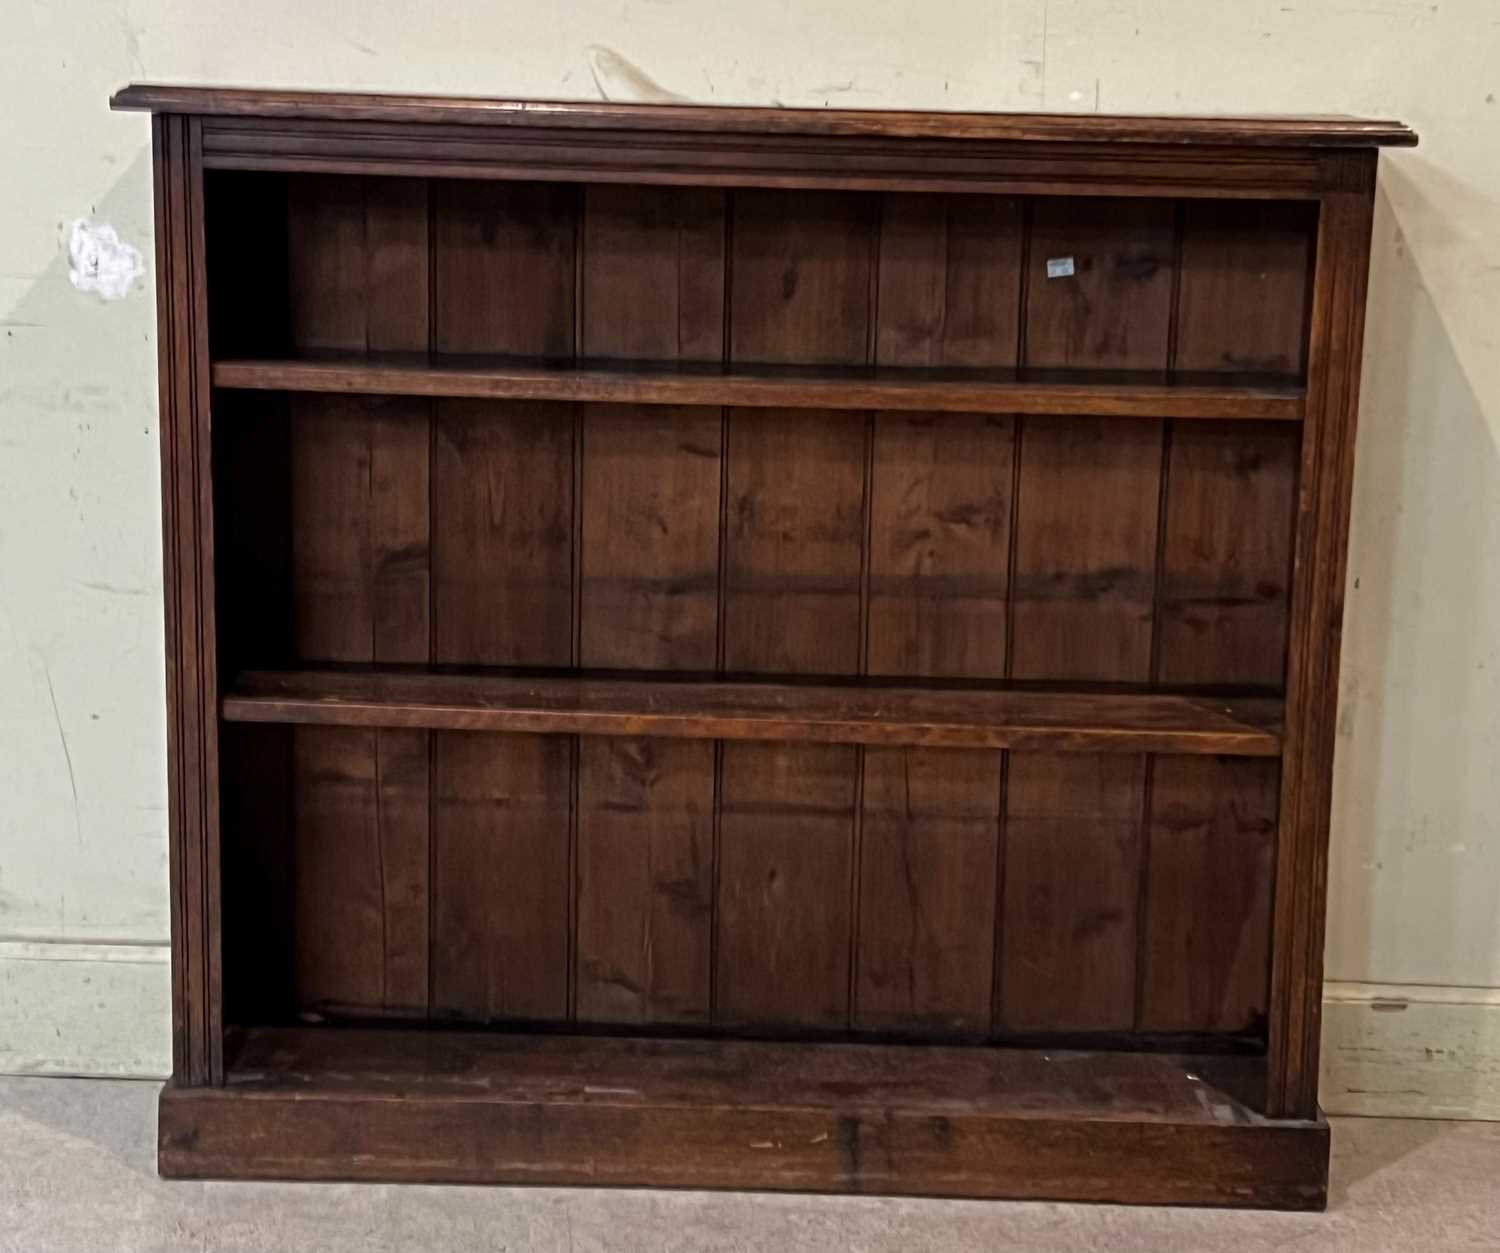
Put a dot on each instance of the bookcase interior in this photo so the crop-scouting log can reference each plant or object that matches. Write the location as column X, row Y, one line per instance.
column 761, row 884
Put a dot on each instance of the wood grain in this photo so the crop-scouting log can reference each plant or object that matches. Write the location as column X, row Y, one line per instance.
column 909, row 389
column 1111, row 308
column 357, row 263
column 792, row 555
column 653, row 286
column 1326, row 477
column 500, row 877
column 1226, row 552
column 949, row 281
column 786, row 162
column 189, row 602
column 836, row 1118
column 793, row 601
column 939, row 557
column 504, row 262
column 1242, row 296
column 1208, row 902
column 360, row 871
column 938, row 572
column 785, row 860
column 503, row 475
column 650, row 559
column 359, row 571
column 795, row 507
column 1085, row 550
column 645, row 880
column 1087, row 503
column 1072, row 873
column 678, row 707
column 502, row 556
column 653, row 273
column 801, row 290
column 927, row 891
column 1287, row 130
column 1225, row 570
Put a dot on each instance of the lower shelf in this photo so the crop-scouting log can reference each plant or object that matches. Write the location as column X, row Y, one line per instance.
column 459, row 1107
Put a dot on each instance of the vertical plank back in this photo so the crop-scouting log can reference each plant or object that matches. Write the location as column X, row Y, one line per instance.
column 503, row 476
column 645, row 880
column 1072, row 869
column 784, row 903
column 1099, row 289
column 652, row 286
column 794, row 534
column 928, row 853
column 1243, row 303
column 359, row 558
column 1223, row 601
column 1208, row 915
column 941, row 504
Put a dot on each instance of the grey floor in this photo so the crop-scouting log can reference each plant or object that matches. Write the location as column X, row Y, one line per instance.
column 76, row 1173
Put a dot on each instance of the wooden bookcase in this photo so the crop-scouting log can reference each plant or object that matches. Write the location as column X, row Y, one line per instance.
column 753, row 648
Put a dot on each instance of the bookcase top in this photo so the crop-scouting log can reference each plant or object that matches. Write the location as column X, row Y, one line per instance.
column 1274, row 131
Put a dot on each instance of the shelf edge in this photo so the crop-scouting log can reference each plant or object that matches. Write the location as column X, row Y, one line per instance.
column 605, row 386
column 1222, row 732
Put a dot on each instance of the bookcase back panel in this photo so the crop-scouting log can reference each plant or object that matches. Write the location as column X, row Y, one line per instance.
column 750, row 887
column 1100, row 282
column 646, row 881
column 648, row 579
column 925, row 892
column 500, row 532
column 1224, row 563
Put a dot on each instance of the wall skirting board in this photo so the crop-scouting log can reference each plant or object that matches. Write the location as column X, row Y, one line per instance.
column 1393, row 1050
column 1411, row 1051
column 68, row 1008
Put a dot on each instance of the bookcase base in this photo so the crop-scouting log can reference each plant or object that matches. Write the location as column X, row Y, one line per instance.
column 457, row 1107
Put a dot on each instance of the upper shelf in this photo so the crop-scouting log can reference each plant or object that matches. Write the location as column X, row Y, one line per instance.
column 1288, row 131
column 683, row 707
column 1114, row 394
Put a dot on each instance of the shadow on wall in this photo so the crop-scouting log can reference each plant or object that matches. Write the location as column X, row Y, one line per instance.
column 1408, row 901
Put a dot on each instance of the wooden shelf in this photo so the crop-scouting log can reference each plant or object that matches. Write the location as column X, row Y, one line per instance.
column 1072, row 392
column 476, row 1107
column 674, row 707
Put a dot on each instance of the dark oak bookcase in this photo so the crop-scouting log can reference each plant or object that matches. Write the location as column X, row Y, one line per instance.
column 753, row 648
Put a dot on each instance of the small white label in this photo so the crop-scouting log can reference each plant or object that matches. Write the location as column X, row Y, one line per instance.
column 1059, row 267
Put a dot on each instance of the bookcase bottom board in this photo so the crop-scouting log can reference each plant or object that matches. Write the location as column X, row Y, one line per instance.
column 397, row 1105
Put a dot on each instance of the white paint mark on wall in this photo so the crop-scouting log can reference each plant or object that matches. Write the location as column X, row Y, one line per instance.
column 619, row 79
column 100, row 261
